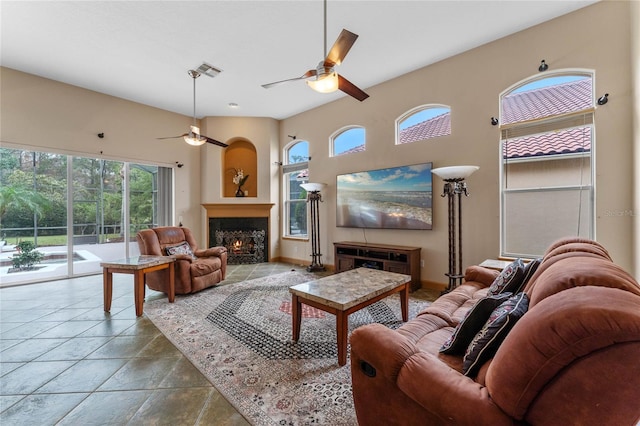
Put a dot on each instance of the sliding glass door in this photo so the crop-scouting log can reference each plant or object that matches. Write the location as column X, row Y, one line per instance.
column 75, row 211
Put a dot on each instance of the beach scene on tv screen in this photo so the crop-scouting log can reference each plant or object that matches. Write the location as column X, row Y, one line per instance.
column 391, row 198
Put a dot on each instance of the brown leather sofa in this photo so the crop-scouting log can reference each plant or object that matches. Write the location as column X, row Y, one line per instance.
column 195, row 269
column 571, row 359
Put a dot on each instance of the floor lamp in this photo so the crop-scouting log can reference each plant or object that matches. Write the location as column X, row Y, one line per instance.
column 454, row 187
column 314, row 198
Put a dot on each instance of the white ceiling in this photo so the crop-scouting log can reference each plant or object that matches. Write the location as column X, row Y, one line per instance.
column 142, row 50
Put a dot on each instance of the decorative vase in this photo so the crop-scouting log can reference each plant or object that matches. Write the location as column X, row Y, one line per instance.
column 239, row 192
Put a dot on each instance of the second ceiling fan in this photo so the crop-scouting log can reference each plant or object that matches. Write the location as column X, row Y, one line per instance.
column 194, row 137
column 324, row 78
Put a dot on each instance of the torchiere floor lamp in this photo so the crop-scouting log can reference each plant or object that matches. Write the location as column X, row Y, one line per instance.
column 314, row 198
column 454, row 187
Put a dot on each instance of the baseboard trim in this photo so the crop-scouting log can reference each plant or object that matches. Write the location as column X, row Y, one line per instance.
column 432, row 285
column 304, row 263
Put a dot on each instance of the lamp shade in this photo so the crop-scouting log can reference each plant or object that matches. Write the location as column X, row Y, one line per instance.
column 454, row 172
column 313, row 187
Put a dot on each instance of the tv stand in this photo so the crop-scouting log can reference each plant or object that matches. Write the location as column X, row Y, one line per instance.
column 386, row 257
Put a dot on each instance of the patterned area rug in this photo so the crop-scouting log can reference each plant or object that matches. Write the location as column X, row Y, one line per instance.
column 239, row 336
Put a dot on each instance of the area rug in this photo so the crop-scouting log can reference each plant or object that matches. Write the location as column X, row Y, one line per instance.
column 239, row 336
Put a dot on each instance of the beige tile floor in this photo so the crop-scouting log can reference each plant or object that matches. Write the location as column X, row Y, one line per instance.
column 64, row 361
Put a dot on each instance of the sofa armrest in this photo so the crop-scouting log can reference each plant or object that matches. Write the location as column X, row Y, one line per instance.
column 211, row 251
column 383, row 349
column 186, row 257
column 447, row 393
column 481, row 275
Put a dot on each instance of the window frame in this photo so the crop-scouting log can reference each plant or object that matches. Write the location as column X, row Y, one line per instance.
column 287, row 169
column 341, row 131
column 549, row 124
column 415, row 110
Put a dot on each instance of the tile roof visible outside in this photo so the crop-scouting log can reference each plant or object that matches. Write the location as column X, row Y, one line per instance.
column 562, row 142
column 524, row 106
column 547, row 101
column 359, row 148
column 437, row 126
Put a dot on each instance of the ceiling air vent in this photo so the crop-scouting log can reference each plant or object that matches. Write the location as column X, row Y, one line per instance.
column 208, row 70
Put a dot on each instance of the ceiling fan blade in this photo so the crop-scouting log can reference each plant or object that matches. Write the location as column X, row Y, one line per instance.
column 307, row 74
column 340, row 48
column 213, row 141
column 351, row 89
column 174, row 137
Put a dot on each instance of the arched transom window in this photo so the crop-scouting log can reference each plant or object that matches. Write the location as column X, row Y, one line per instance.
column 348, row 140
column 423, row 122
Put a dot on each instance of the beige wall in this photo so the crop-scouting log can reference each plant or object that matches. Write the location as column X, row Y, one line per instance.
column 470, row 83
column 635, row 84
column 41, row 114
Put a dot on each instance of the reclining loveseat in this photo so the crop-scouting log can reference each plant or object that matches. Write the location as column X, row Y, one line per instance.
column 571, row 358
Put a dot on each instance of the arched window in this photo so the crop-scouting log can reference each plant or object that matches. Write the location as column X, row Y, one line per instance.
column 348, row 140
column 546, row 137
column 295, row 171
column 423, row 122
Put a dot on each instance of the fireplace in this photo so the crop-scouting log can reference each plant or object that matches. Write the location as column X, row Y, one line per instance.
column 244, row 237
column 241, row 227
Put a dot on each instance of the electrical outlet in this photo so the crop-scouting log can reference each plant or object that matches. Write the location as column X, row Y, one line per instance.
column 422, row 263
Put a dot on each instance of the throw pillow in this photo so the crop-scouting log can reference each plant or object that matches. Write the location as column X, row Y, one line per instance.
column 182, row 248
column 509, row 280
column 472, row 323
column 529, row 270
column 485, row 344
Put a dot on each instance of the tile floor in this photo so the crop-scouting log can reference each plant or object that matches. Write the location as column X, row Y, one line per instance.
column 64, row 361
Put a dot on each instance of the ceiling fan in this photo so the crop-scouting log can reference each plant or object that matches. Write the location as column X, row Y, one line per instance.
column 194, row 137
column 324, row 78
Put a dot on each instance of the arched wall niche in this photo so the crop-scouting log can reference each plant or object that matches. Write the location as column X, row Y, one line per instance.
column 240, row 154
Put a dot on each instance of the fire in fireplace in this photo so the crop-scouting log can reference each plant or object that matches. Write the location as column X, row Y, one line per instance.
column 246, row 239
column 242, row 246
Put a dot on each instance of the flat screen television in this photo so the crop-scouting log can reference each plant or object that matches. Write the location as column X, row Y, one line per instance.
column 392, row 198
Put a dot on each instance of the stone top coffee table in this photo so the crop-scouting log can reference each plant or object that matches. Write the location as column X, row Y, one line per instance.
column 345, row 293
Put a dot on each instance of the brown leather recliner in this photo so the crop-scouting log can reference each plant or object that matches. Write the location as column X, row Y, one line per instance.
column 205, row 268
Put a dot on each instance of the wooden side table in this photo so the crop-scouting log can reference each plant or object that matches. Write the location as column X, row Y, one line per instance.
column 138, row 266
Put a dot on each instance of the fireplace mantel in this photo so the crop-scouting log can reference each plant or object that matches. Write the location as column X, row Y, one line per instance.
column 238, row 210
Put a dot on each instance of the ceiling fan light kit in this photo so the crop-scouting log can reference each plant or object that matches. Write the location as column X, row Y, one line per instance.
column 193, row 138
column 327, row 82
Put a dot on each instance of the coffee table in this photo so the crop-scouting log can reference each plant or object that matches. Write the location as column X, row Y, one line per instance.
column 138, row 266
column 345, row 293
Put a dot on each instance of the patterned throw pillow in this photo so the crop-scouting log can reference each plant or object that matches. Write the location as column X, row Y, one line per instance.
column 182, row 248
column 472, row 323
column 529, row 270
column 485, row 344
column 509, row 280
